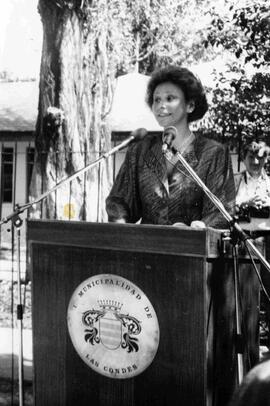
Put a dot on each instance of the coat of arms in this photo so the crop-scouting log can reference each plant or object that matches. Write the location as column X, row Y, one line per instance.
column 111, row 328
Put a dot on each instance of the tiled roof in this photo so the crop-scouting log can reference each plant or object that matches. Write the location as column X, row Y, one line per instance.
column 18, row 105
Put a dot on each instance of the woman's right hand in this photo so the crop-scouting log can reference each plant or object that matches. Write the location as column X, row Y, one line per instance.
column 179, row 225
column 256, row 201
column 121, row 221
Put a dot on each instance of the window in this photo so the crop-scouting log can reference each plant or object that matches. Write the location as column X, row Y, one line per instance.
column 7, row 174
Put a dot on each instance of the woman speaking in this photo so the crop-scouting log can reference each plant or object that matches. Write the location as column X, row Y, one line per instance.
column 154, row 190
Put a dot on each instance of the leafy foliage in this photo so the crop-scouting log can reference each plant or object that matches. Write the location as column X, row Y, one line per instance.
column 254, row 21
column 243, row 30
column 239, row 110
column 240, row 101
column 148, row 33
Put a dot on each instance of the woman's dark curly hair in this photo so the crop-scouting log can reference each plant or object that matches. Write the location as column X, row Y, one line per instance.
column 259, row 148
column 187, row 82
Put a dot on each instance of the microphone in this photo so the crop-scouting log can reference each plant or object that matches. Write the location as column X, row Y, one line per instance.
column 168, row 137
column 136, row 135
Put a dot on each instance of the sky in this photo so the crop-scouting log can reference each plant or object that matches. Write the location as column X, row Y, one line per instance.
column 20, row 38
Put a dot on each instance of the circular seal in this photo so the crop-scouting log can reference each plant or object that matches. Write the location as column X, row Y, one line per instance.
column 113, row 326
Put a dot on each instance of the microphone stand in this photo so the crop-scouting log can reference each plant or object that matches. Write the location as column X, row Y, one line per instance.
column 17, row 222
column 237, row 233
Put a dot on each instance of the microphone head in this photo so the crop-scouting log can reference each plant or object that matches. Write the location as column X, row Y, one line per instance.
column 139, row 134
column 168, row 136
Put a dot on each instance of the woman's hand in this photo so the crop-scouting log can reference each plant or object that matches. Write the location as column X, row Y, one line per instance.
column 194, row 224
column 265, row 201
column 122, row 221
column 197, row 224
column 180, row 225
column 256, row 201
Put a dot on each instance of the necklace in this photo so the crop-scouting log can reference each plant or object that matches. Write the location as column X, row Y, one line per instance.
column 187, row 142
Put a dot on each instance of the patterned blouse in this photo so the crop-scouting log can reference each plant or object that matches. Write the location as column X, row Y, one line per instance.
column 144, row 191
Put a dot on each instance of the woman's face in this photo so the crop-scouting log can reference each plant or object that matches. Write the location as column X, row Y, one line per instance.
column 169, row 105
column 254, row 163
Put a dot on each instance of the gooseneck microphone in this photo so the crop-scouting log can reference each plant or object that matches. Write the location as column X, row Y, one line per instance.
column 136, row 135
column 168, row 136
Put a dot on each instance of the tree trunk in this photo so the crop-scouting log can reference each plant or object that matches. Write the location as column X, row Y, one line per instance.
column 71, row 132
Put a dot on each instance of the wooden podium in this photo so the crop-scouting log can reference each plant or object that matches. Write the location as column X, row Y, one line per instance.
column 187, row 280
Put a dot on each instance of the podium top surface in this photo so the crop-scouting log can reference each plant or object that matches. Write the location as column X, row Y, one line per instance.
column 127, row 237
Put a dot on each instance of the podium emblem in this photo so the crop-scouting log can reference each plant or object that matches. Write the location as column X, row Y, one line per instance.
column 110, row 327
column 113, row 326
column 110, row 331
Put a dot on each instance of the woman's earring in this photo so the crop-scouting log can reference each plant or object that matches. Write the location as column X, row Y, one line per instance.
column 191, row 107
